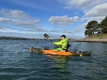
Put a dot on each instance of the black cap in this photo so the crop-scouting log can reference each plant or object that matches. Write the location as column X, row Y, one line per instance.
column 63, row 36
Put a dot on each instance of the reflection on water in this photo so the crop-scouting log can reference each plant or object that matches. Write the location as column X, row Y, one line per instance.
column 16, row 62
column 60, row 64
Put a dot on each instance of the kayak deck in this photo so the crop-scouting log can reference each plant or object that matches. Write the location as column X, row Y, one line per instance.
column 59, row 53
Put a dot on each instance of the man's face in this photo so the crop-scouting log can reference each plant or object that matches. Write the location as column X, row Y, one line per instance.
column 62, row 37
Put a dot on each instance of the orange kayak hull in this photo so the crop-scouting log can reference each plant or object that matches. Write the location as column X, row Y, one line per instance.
column 58, row 53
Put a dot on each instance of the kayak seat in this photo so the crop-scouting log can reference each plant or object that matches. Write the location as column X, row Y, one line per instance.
column 67, row 48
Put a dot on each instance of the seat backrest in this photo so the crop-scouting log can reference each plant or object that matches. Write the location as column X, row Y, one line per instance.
column 68, row 47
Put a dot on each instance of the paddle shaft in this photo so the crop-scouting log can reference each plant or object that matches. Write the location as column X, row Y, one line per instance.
column 47, row 37
column 51, row 40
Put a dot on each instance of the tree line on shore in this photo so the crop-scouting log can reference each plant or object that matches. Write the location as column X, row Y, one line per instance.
column 93, row 27
column 14, row 38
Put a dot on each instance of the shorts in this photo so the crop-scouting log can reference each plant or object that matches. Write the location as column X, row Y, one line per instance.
column 58, row 49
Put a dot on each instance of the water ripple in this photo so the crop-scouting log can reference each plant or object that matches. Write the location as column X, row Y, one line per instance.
column 17, row 63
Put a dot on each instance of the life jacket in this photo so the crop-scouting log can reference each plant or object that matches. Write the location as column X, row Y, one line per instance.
column 64, row 43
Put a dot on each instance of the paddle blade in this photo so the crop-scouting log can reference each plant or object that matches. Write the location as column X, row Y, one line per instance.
column 46, row 36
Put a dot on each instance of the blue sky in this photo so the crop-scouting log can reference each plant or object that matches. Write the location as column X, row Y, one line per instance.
column 34, row 18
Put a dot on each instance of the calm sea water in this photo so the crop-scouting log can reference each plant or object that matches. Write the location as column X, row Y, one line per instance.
column 17, row 63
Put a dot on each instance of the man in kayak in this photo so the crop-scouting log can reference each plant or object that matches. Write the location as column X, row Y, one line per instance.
column 64, row 43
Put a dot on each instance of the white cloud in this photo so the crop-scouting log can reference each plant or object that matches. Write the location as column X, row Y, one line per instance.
column 81, row 4
column 7, row 30
column 26, row 23
column 16, row 14
column 40, row 29
column 10, row 30
column 5, row 20
column 78, row 30
column 61, row 31
column 97, row 13
column 63, row 20
column 20, row 33
column 18, row 18
column 100, row 10
column 77, row 4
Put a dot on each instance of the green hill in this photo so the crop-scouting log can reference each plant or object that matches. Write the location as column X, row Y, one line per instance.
column 98, row 36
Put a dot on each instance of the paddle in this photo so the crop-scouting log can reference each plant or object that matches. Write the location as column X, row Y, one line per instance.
column 46, row 36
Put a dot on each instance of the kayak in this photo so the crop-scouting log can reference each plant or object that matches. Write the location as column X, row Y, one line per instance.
column 60, row 53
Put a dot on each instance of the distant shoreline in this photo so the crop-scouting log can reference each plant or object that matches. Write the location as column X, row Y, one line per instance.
column 90, row 40
column 14, row 38
column 71, row 40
